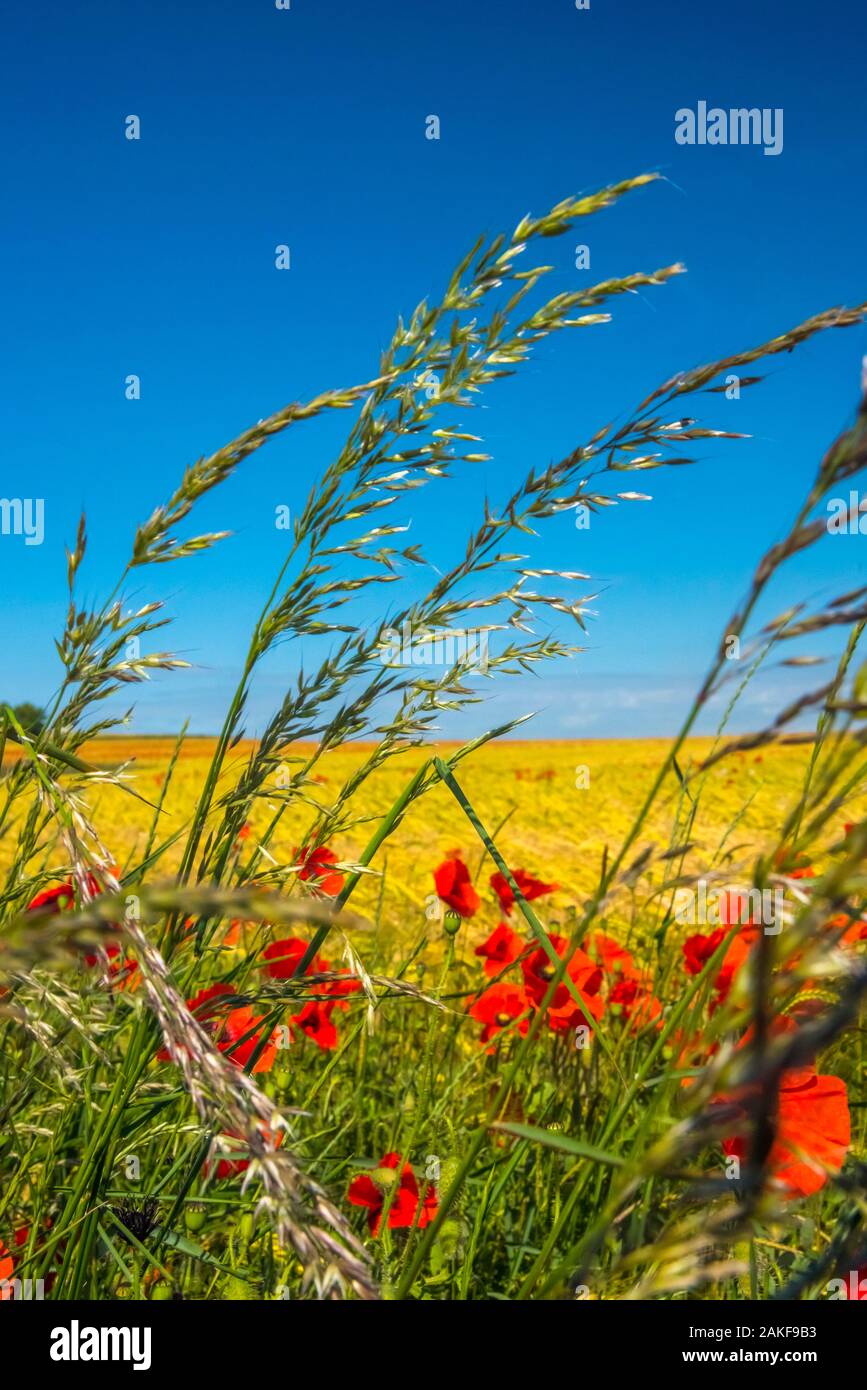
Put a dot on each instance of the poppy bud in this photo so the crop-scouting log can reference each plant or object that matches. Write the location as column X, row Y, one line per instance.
column 194, row 1216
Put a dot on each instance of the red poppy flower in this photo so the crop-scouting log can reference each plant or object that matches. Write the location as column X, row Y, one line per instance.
column 61, row 898
column 57, row 899
column 539, row 971
column 203, row 1007
column 314, row 1021
column 453, row 885
column 502, row 947
column 614, row 958
column 237, row 1026
column 850, row 932
column 339, row 990
column 206, row 1004
column 793, row 865
column 690, row 1054
column 314, row 868
column 813, row 1132
column 571, row 1015
column 498, row 1007
column 7, row 1269
column 20, row 1238
column 120, row 970
column 370, row 1190
column 62, row 895
column 284, row 958
column 738, row 951
column 231, row 1141
column 634, row 1000
column 699, row 949
column 92, row 958
column 529, row 887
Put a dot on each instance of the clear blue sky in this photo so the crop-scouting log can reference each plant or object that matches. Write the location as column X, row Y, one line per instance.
column 262, row 126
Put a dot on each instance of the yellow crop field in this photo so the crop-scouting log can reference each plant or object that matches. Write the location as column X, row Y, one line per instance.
column 553, row 807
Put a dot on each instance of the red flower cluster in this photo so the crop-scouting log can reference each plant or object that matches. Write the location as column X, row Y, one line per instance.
column 315, row 869
column 849, row 932
column 234, row 1032
column 811, row 1119
column 407, row 1207
column 608, row 977
column 61, row 898
column 630, row 989
column 812, row 1126
column 635, row 1002
column 455, row 888
column 499, row 1006
column 314, row 1019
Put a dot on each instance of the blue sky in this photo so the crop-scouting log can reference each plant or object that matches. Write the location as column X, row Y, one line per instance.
column 307, row 127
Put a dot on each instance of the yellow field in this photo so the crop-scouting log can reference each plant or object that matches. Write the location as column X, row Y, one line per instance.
column 525, row 793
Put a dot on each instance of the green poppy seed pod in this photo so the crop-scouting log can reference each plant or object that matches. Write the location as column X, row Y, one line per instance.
column 194, row 1216
column 384, row 1178
column 451, row 922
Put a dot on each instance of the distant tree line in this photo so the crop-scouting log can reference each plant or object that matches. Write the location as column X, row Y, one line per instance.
column 30, row 717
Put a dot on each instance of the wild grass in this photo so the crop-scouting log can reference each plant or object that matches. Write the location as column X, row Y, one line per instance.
column 159, row 1143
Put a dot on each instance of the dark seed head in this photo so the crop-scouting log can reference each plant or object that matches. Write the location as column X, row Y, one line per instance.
column 139, row 1218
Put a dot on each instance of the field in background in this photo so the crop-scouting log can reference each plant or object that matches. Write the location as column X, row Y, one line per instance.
column 528, row 794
